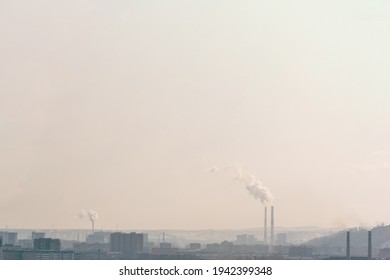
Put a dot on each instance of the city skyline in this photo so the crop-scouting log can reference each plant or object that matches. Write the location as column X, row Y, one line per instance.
column 146, row 113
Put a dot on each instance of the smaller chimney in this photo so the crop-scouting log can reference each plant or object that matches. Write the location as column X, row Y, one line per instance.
column 348, row 256
column 265, row 225
column 272, row 227
column 369, row 255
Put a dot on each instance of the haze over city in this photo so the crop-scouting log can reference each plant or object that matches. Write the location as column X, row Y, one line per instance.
column 145, row 112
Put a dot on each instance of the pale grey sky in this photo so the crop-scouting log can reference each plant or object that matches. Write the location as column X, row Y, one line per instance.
column 124, row 106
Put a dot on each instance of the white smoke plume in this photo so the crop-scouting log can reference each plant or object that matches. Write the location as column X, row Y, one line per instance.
column 254, row 186
column 92, row 215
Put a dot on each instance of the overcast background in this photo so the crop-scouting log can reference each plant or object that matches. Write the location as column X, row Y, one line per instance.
column 124, row 106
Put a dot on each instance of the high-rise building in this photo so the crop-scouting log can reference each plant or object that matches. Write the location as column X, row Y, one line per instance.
column 126, row 243
column 116, row 242
column 47, row 244
column 9, row 238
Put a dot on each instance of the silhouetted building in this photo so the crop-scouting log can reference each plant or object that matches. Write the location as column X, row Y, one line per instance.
column 116, row 242
column 281, row 239
column 53, row 255
column 195, row 246
column 128, row 244
column 98, row 237
column 384, row 253
column 47, row 244
column 165, row 249
column 9, row 238
column 245, row 239
column 146, row 242
column 10, row 252
column 36, row 235
column 91, row 251
column 301, row 252
column 26, row 243
column 224, row 247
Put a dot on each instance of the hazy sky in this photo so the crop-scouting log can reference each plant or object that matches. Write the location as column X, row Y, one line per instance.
column 124, row 106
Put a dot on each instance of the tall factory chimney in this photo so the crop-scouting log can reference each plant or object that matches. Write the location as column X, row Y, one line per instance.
column 348, row 247
column 265, row 225
column 369, row 255
column 272, row 227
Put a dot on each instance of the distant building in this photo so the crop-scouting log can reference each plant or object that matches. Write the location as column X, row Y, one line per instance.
column 146, row 240
column 47, row 244
column 384, row 253
column 195, row 246
column 224, row 247
column 91, row 251
column 99, row 237
column 128, row 244
column 88, row 247
column 53, row 255
column 36, row 235
column 245, row 239
column 9, row 238
column 10, row 252
column 26, row 243
column 281, row 239
column 18, row 253
column 301, row 252
column 165, row 245
column 165, row 249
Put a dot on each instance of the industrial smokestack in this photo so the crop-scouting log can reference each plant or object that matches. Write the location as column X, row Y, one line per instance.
column 369, row 255
column 348, row 247
column 92, row 217
column 265, row 225
column 272, row 226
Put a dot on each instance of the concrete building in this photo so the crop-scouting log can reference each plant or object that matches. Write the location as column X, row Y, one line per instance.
column 99, row 237
column 53, row 255
column 9, row 238
column 26, row 243
column 245, row 239
column 300, row 252
column 36, row 235
column 195, row 246
column 281, row 239
column 10, row 252
column 165, row 249
column 128, row 244
column 47, row 244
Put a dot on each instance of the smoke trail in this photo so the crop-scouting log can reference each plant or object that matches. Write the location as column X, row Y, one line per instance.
column 92, row 215
column 254, row 186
